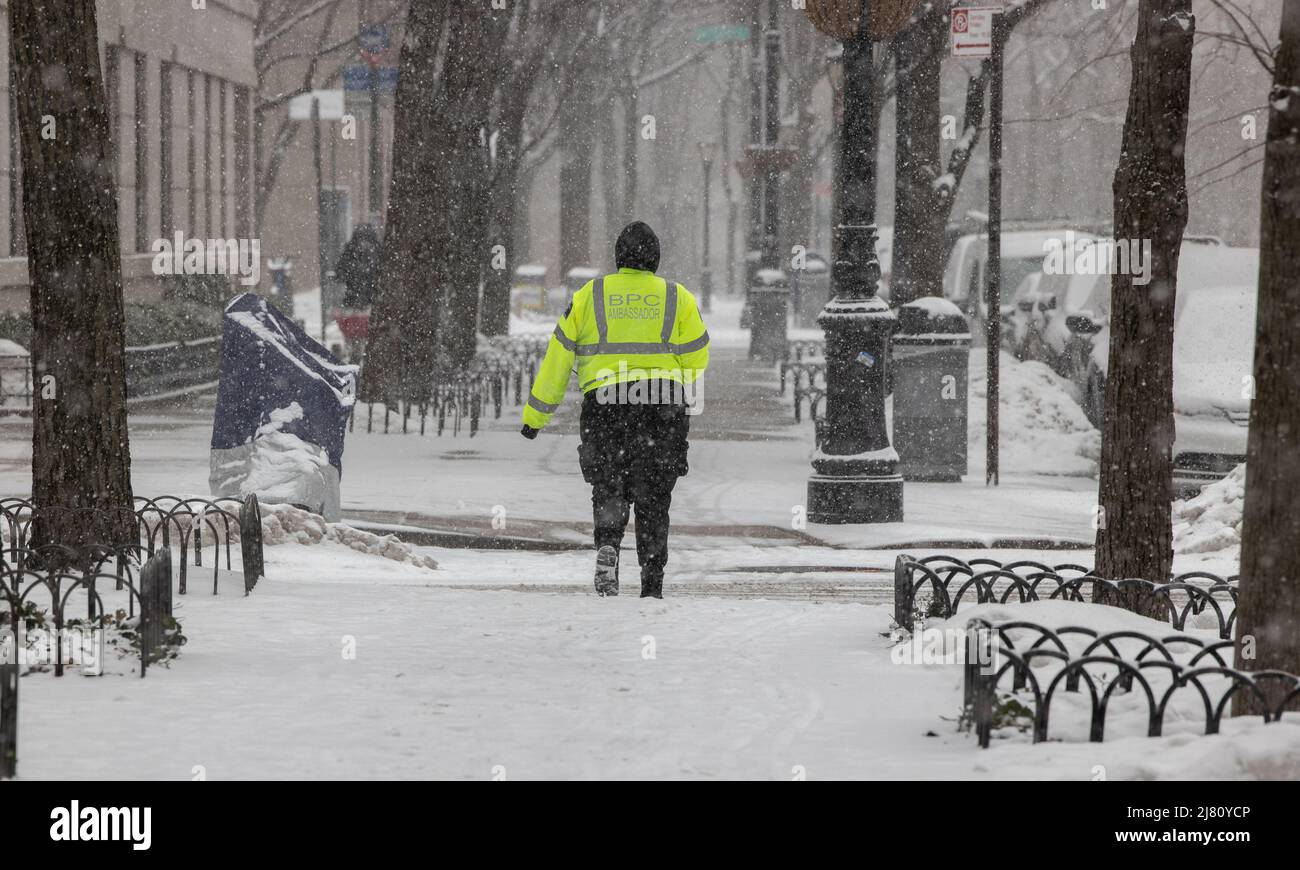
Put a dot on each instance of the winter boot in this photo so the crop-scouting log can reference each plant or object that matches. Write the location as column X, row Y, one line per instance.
column 652, row 585
column 607, row 571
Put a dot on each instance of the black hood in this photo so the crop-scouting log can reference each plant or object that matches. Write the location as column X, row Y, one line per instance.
column 637, row 248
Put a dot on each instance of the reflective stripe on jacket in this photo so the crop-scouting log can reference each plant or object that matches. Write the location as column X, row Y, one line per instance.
column 622, row 327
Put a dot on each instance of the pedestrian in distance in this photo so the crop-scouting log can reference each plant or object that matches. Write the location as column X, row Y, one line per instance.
column 640, row 347
column 358, row 267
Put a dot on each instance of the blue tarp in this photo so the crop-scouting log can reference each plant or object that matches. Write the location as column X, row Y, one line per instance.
column 269, row 366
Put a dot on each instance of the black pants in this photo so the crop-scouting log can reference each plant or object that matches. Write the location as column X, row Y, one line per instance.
column 632, row 455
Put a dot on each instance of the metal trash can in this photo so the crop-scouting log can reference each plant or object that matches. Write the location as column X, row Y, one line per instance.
column 769, row 308
column 528, row 290
column 931, row 359
column 811, row 290
column 574, row 280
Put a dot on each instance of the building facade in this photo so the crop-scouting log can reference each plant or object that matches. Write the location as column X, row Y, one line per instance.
column 180, row 106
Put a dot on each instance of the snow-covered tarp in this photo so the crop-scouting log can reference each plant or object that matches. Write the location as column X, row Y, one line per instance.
column 282, row 410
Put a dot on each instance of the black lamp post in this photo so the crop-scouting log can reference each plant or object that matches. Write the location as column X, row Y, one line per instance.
column 707, row 150
column 835, row 75
column 856, row 477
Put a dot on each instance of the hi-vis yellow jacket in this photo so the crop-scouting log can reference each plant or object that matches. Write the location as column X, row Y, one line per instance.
column 622, row 327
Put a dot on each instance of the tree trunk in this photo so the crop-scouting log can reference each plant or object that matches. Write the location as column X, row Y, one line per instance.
column 475, row 33
column 1268, row 608
column 734, row 82
column 919, row 214
column 403, row 322
column 81, row 457
column 494, row 317
column 577, row 145
column 631, row 138
column 611, row 189
column 1135, row 538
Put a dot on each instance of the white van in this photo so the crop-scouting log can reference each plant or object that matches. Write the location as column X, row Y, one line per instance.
column 965, row 279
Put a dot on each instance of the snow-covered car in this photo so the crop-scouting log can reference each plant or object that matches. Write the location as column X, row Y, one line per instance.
column 1204, row 262
column 1214, row 347
column 965, row 280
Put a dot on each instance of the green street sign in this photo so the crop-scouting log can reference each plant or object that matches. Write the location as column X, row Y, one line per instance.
column 722, row 33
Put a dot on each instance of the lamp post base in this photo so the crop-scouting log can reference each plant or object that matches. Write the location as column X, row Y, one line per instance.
column 838, row 500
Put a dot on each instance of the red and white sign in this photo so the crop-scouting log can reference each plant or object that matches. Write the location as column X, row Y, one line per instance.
column 972, row 30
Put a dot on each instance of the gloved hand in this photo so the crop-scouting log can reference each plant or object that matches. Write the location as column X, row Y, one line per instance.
column 528, row 432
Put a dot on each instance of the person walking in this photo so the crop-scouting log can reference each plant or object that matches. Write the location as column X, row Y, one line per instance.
column 358, row 267
column 640, row 346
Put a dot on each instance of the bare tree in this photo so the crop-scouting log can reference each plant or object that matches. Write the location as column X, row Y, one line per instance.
column 475, row 33
column 281, row 29
column 1268, row 609
column 1135, row 538
column 400, row 355
column 81, row 456
column 527, row 45
column 918, row 261
column 924, row 196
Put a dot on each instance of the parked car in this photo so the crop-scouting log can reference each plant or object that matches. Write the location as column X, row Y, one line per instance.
column 965, row 279
column 1205, row 261
column 1214, row 348
column 1025, row 318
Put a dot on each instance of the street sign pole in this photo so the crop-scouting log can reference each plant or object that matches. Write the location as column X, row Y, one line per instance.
column 993, row 321
column 376, row 175
column 320, row 207
column 373, row 45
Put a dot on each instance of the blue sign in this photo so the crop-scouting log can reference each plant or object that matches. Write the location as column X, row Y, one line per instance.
column 357, row 78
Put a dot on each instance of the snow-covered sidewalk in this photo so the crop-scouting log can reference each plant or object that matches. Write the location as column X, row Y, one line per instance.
column 345, row 665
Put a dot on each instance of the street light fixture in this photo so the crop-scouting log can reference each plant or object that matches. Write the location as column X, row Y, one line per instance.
column 708, row 150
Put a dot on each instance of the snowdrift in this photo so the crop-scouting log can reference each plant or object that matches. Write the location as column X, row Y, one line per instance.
column 287, row 524
column 1211, row 521
column 1041, row 427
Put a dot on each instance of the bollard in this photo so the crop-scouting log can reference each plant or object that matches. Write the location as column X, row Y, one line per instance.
column 250, row 542
column 931, row 356
column 8, row 721
column 155, row 605
column 903, row 592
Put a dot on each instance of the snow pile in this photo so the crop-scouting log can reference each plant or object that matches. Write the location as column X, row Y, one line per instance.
column 287, row 524
column 282, row 464
column 1212, row 520
column 1042, row 429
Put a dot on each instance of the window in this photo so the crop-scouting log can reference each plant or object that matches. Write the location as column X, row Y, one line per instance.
column 192, row 160
column 243, row 166
column 165, row 150
column 223, row 152
column 141, row 155
column 111, row 80
column 207, row 154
